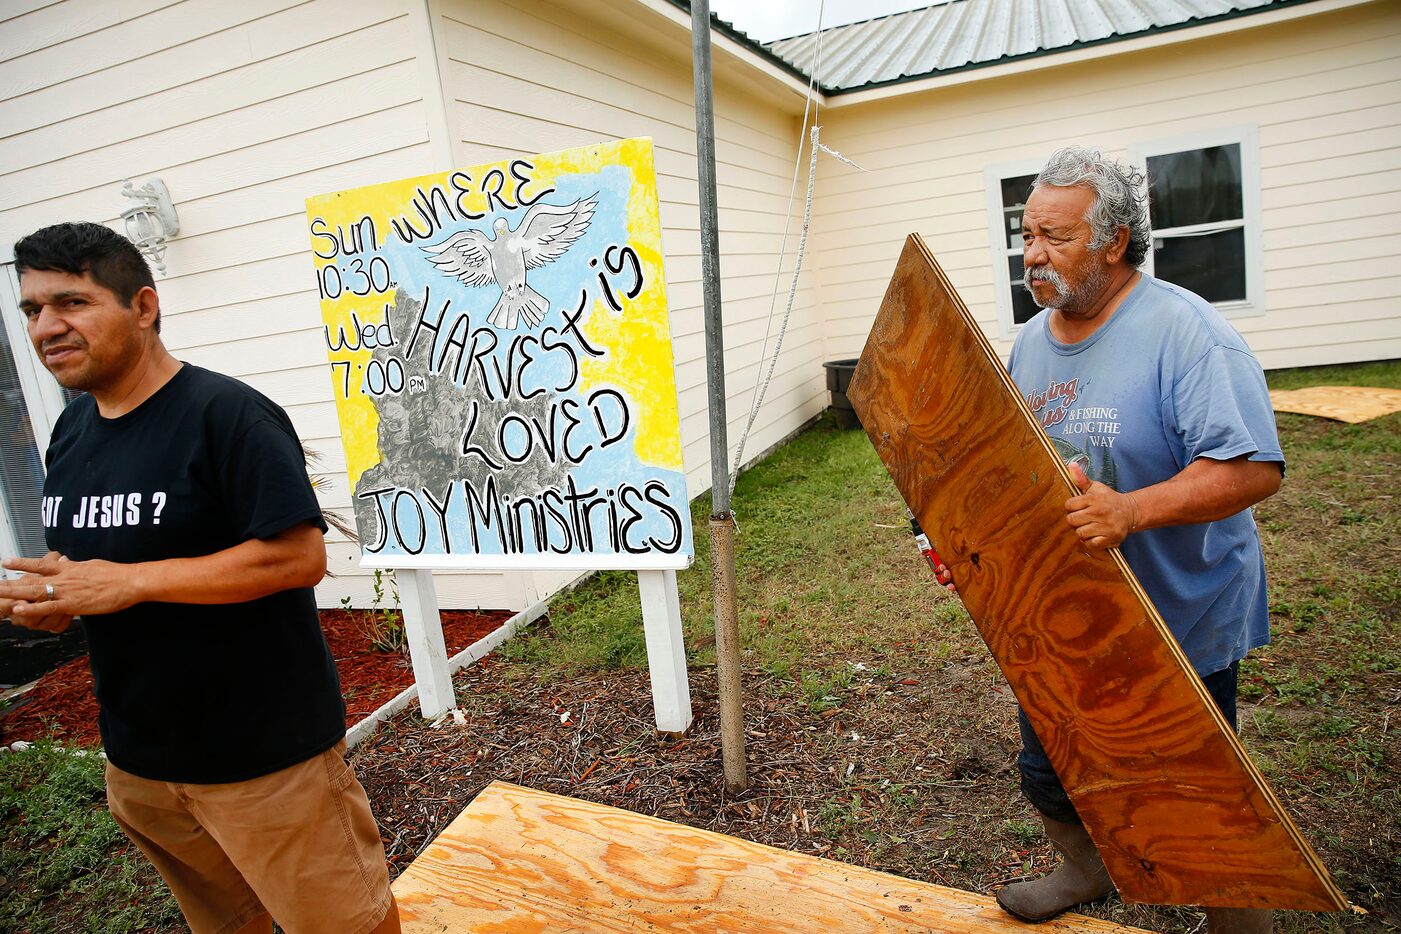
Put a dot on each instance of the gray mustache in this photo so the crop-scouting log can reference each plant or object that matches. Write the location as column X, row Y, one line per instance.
column 1045, row 273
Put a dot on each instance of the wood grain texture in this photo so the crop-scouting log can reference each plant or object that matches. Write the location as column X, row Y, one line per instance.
column 1178, row 811
column 520, row 861
column 1351, row 404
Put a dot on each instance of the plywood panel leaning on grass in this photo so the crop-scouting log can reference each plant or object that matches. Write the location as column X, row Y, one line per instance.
column 518, row 859
column 1177, row 809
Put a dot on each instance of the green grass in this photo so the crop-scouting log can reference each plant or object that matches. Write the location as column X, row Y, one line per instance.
column 1024, row 832
column 820, row 527
column 1331, row 536
column 63, row 859
column 1382, row 374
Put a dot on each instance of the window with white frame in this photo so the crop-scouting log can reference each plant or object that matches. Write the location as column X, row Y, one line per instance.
column 1007, row 187
column 30, row 401
column 1014, row 192
column 1204, row 204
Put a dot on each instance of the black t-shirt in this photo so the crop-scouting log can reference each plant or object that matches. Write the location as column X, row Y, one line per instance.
column 195, row 693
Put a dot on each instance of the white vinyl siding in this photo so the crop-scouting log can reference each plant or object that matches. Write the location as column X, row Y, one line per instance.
column 244, row 109
column 1323, row 91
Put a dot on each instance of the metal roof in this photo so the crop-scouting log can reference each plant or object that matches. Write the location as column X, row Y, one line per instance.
column 960, row 34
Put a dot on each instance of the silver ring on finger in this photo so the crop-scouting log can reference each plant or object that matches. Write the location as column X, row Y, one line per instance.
column 49, row 589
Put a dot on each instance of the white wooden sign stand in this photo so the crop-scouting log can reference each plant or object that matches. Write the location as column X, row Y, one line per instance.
column 666, row 650
column 423, row 625
column 661, row 621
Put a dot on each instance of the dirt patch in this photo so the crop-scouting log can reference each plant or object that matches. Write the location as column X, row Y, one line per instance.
column 912, row 772
column 61, row 705
column 26, row 654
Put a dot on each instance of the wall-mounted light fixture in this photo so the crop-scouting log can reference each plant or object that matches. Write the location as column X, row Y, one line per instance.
column 150, row 219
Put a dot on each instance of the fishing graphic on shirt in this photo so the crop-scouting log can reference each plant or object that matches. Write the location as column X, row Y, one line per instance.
column 1098, row 427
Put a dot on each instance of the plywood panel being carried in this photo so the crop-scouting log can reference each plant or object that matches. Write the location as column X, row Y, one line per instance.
column 519, row 860
column 1177, row 809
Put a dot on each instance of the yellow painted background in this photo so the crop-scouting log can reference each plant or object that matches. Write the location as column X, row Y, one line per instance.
column 638, row 339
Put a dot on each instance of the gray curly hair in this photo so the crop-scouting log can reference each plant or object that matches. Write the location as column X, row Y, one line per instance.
column 1121, row 196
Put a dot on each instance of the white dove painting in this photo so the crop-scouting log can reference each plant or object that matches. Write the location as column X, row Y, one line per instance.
column 503, row 260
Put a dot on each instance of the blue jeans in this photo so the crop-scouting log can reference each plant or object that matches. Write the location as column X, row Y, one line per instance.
column 1039, row 782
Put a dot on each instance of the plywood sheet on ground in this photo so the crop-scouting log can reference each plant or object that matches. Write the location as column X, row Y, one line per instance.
column 1178, row 811
column 1351, row 404
column 520, row 861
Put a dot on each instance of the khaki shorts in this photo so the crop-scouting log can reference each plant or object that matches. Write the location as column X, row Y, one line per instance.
column 299, row 843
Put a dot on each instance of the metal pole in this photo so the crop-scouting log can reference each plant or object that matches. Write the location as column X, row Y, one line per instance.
column 722, row 523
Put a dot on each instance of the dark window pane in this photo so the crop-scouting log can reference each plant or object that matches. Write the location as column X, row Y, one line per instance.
column 1212, row 265
column 1015, row 190
column 1200, row 186
column 1014, row 195
column 21, row 473
column 1023, row 308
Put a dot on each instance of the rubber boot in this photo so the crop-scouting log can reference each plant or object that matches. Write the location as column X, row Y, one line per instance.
column 1080, row 877
column 1239, row 921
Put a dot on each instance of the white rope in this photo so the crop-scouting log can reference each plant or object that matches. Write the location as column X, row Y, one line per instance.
column 761, row 387
column 834, row 154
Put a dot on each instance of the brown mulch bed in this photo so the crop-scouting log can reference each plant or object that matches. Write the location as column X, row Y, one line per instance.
column 845, row 782
column 61, row 704
column 913, row 773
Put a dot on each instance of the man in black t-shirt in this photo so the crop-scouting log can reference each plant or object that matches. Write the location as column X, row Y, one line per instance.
column 184, row 532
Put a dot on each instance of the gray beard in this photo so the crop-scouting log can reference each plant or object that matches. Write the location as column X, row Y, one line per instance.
column 1068, row 300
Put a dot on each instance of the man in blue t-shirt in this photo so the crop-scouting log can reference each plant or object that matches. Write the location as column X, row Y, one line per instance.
column 1163, row 415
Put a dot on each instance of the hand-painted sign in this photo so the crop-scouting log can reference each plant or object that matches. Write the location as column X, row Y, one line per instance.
column 501, row 362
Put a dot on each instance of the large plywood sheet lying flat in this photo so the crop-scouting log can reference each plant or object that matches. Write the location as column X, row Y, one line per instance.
column 1351, row 404
column 520, row 861
column 1177, row 809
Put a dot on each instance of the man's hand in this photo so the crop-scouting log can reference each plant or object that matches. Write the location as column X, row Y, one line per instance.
column 78, row 588
column 1204, row 491
column 1102, row 517
column 945, row 577
column 52, row 623
column 26, row 602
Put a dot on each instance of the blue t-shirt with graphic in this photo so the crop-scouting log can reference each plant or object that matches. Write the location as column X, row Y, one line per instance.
column 1163, row 382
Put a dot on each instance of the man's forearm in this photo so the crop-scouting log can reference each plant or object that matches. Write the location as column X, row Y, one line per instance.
column 247, row 571
column 1206, row 490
